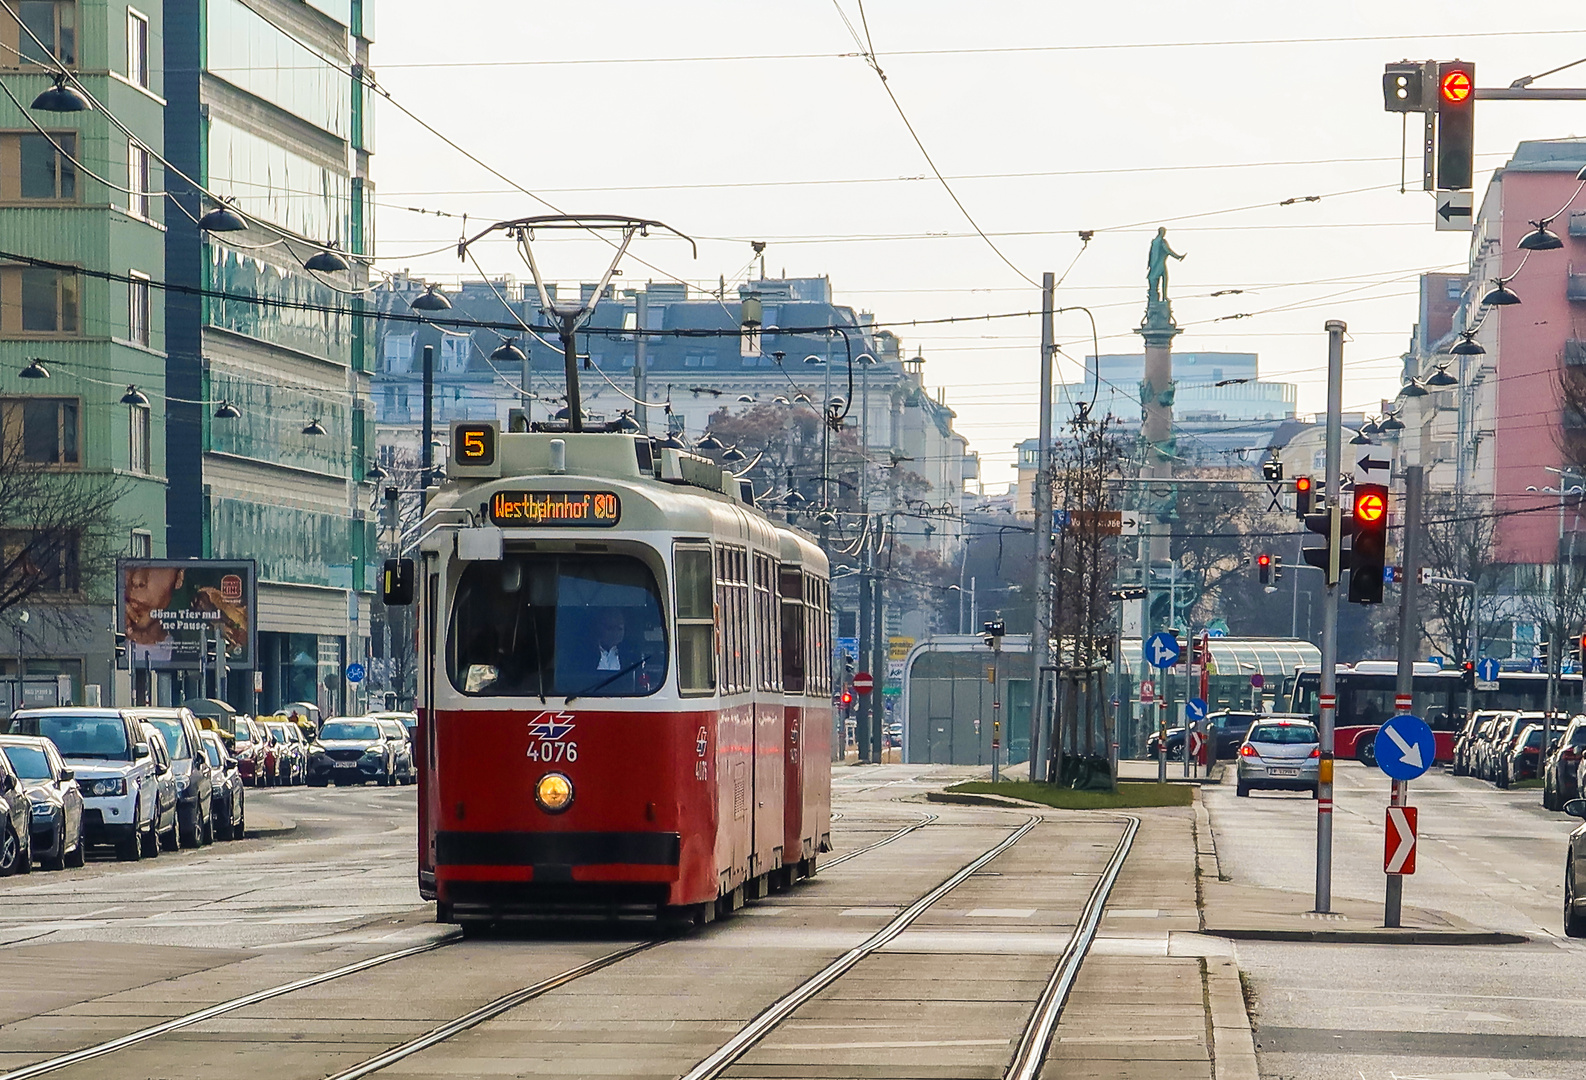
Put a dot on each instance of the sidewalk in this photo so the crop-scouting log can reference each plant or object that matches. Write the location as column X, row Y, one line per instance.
column 263, row 825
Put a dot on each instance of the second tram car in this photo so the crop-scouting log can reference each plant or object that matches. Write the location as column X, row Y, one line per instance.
column 625, row 687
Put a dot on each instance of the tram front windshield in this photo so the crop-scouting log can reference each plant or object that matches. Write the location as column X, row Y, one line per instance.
column 562, row 625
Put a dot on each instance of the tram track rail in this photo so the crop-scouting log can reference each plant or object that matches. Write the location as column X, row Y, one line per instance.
column 883, row 842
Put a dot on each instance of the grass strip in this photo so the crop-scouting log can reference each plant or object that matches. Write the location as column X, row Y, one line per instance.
column 1128, row 796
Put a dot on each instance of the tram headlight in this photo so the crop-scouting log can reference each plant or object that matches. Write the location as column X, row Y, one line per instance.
column 554, row 793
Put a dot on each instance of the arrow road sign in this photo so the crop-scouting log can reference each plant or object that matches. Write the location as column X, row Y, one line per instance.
column 1161, row 650
column 1453, row 212
column 1367, row 467
column 863, row 683
column 1405, row 747
column 1487, row 673
column 1398, row 855
column 1195, row 710
column 1129, row 525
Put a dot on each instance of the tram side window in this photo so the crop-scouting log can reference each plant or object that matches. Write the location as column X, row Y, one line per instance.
column 791, row 586
column 696, row 621
column 732, row 590
column 572, row 626
column 818, row 638
column 767, row 662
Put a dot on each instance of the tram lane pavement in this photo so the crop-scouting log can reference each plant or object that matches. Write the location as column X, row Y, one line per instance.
column 1491, row 858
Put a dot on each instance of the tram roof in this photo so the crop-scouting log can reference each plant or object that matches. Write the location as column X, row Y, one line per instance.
column 1269, row 657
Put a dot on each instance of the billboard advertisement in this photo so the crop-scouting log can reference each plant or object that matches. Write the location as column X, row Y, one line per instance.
column 169, row 607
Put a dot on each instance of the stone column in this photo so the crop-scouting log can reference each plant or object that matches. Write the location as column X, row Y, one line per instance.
column 1158, row 502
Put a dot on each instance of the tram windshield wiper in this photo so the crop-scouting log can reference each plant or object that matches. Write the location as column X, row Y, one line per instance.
column 613, row 677
column 539, row 657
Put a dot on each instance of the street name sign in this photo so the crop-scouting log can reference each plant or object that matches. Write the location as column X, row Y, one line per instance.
column 1398, row 856
column 1405, row 747
column 1487, row 673
column 1161, row 650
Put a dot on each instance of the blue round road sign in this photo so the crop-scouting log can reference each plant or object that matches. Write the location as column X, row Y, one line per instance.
column 355, row 673
column 1195, row 710
column 1487, row 669
column 1405, row 747
column 1161, row 650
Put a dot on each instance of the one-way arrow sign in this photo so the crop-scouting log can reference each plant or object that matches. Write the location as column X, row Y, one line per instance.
column 1453, row 212
column 1368, row 467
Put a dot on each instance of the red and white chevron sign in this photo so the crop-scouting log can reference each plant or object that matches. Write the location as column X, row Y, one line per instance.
column 1399, row 853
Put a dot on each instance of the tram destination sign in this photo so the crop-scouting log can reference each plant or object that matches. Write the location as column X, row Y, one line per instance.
column 555, row 509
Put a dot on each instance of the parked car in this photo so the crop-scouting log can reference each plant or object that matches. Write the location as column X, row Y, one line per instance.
column 16, row 828
column 190, row 769
column 1465, row 742
column 1523, row 757
column 291, row 752
column 1282, row 755
column 57, row 804
column 164, row 831
column 1477, row 744
column 1229, row 728
column 115, row 770
column 1575, row 873
column 227, row 805
column 408, row 720
column 403, row 770
column 247, row 747
column 1561, row 768
column 1496, row 749
column 352, row 750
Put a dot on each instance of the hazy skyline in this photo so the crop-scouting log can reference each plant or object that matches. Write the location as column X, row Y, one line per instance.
column 736, row 122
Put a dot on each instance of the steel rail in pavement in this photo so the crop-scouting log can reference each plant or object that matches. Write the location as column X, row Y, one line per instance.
column 854, row 854
column 49, row 1065
column 779, row 1010
column 1031, row 1051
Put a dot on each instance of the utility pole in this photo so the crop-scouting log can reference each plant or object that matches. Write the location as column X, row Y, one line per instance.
column 641, row 322
column 1404, row 686
column 878, row 653
column 1329, row 688
column 1040, row 640
column 866, row 629
column 427, row 431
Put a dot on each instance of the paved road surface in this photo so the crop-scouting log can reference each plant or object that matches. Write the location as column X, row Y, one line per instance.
column 115, row 950
column 1371, row 1012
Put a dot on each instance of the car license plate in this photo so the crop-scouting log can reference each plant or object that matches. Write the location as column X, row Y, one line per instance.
column 1284, row 772
column 346, row 764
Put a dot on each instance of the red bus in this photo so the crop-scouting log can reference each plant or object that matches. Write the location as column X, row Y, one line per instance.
column 625, row 688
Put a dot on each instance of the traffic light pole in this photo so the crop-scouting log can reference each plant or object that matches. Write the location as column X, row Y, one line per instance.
column 1329, row 681
column 1404, row 686
column 1040, row 648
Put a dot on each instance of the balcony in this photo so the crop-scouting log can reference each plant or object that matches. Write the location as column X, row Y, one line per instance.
column 1575, row 286
column 1577, row 223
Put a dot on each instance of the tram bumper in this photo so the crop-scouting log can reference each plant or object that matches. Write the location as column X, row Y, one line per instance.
column 506, row 874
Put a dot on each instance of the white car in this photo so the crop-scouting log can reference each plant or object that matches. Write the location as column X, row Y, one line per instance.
column 1281, row 755
column 115, row 770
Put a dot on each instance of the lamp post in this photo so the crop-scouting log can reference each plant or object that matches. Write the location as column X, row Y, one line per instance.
column 22, row 621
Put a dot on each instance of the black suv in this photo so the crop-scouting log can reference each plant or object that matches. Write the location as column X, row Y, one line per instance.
column 195, row 816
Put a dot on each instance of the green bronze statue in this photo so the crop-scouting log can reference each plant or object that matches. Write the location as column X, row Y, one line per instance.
column 1156, row 267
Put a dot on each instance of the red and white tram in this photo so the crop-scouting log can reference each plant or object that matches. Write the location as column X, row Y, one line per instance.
column 624, row 690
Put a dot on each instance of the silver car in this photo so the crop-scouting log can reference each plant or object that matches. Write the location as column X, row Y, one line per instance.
column 1280, row 755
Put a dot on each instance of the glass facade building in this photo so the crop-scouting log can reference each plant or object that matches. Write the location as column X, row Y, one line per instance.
column 260, row 118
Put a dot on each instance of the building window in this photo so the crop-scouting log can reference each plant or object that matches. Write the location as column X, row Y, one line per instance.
column 138, row 438
column 137, row 48
column 398, row 353
column 44, row 559
column 141, row 545
column 138, row 308
column 36, row 301
column 40, row 431
column 32, row 168
column 137, row 179
column 50, row 23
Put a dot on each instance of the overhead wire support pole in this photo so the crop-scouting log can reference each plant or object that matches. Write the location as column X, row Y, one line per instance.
column 1404, row 686
column 1329, row 681
column 1040, row 641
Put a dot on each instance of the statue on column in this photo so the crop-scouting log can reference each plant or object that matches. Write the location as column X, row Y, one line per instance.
column 1156, row 267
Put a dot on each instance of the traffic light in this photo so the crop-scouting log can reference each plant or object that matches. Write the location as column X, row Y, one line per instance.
column 1272, row 469
column 1401, row 87
column 209, row 650
column 1264, row 568
column 1304, row 496
column 1456, row 124
column 1467, row 675
column 396, row 582
column 1369, row 549
column 1320, row 557
column 1277, row 568
column 121, row 650
column 1541, row 653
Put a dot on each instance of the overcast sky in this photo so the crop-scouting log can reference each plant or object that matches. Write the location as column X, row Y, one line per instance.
column 737, row 120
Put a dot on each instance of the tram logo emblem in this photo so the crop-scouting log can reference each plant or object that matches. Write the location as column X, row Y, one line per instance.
column 701, row 743
column 551, row 726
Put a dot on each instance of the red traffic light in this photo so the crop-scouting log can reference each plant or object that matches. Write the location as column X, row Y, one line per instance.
column 848, row 698
column 1302, row 484
column 1370, row 507
column 1455, row 86
column 1263, row 559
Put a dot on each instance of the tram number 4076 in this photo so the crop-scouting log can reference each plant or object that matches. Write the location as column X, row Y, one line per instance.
column 553, row 751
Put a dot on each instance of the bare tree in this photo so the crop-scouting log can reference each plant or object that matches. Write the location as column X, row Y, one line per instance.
column 59, row 533
column 1457, row 542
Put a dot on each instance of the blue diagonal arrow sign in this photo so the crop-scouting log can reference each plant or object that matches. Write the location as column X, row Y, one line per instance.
column 1405, row 747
